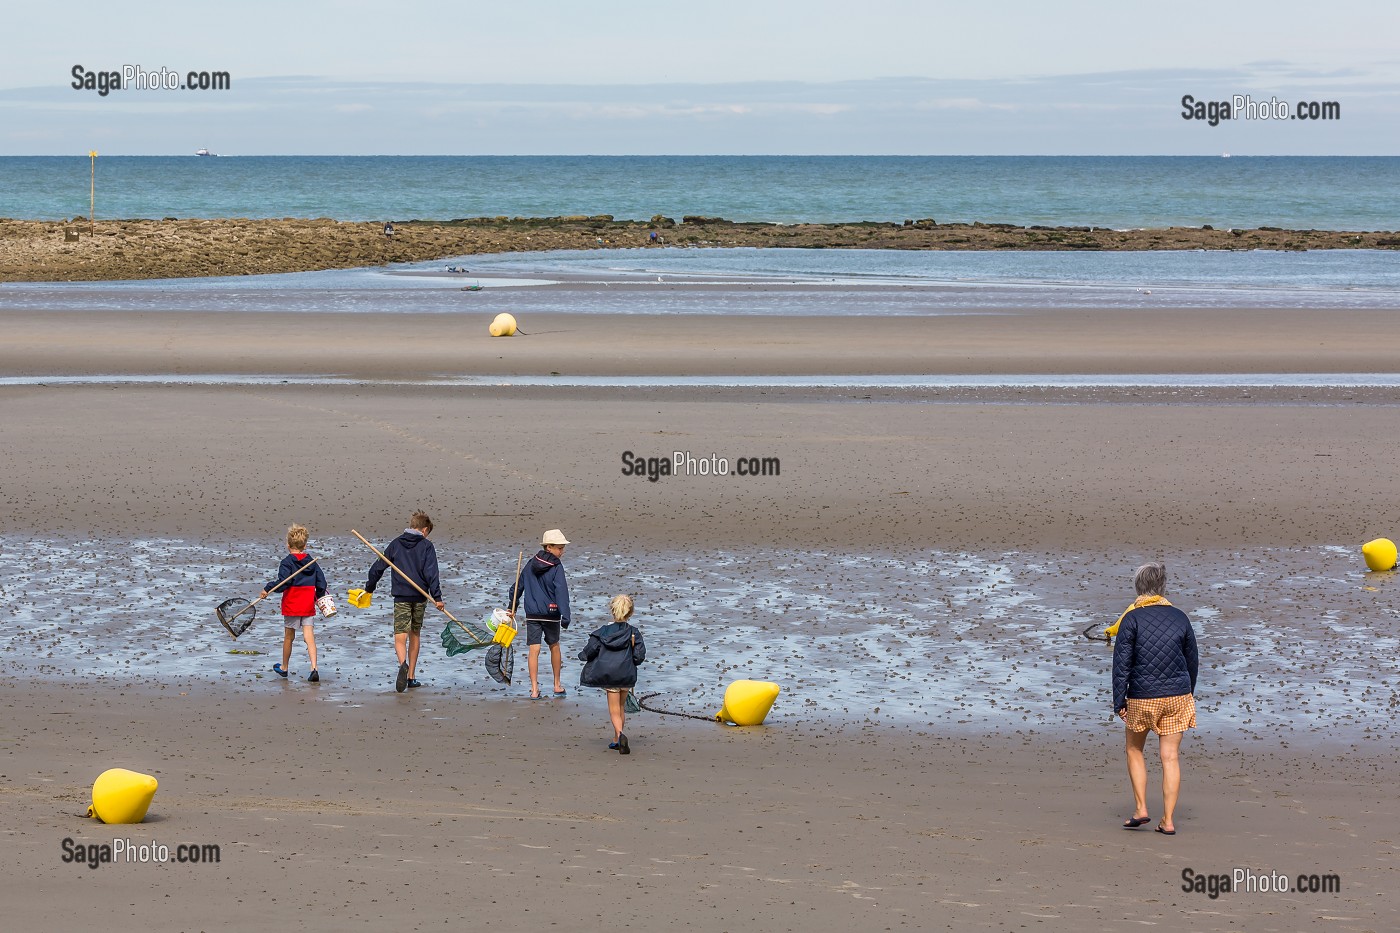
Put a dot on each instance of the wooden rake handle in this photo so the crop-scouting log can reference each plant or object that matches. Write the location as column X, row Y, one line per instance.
column 407, row 578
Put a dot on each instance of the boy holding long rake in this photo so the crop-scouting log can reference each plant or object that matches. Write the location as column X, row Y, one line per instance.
column 413, row 554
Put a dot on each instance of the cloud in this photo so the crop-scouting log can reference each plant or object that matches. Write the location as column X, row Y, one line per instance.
column 1120, row 112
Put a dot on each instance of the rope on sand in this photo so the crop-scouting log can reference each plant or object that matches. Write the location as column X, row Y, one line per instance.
column 642, row 701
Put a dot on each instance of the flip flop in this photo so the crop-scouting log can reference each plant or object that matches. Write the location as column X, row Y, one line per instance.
column 1165, row 832
column 277, row 668
column 560, row 693
column 1135, row 822
column 537, row 696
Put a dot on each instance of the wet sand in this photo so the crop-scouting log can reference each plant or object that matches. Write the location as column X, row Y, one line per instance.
column 344, row 803
column 419, row 346
column 335, row 808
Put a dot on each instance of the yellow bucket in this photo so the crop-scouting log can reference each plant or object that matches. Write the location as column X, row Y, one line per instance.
column 359, row 598
column 505, row 634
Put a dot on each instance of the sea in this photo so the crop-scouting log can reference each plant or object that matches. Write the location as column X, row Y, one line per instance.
column 1333, row 193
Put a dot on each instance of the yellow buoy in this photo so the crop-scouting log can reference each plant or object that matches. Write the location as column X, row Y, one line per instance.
column 1380, row 554
column 121, row 796
column 359, row 598
column 747, row 702
column 503, row 325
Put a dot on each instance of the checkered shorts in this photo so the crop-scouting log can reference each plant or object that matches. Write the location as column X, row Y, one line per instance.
column 1163, row 715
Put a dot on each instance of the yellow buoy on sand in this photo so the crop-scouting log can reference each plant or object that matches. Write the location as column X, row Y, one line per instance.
column 121, row 796
column 503, row 325
column 1380, row 554
column 747, row 702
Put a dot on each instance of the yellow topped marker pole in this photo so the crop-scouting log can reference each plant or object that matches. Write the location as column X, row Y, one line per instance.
column 92, row 189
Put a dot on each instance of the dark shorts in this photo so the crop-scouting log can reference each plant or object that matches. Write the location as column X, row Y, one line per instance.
column 408, row 617
column 543, row 629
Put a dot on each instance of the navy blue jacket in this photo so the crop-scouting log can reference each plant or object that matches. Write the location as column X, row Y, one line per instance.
column 1154, row 656
column 299, row 597
column 545, row 592
column 415, row 555
column 612, row 655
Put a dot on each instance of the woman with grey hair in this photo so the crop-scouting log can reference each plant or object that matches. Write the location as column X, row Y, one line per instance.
column 1154, row 682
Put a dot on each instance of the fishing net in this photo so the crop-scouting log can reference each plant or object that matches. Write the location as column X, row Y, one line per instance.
column 236, row 615
column 459, row 636
column 500, row 663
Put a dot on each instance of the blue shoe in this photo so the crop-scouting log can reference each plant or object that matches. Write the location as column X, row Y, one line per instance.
column 413, row 682
column 612, row 746
column 278, row 669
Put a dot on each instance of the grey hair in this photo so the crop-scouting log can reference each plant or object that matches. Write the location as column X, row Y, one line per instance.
column 1150, row 579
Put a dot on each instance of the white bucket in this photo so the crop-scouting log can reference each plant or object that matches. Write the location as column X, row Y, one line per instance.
column 326, row 605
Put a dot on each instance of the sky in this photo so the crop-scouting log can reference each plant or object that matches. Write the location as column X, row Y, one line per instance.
column 720, row 77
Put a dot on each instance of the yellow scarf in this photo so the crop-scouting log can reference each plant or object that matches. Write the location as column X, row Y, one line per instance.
column 1138, row 603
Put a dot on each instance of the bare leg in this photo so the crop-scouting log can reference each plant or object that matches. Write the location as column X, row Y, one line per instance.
column 1137, row 771
column 534, row 670
column 414, row 642
column 309, row 637
column 1170, row 747
column 288, row 636
column 617, row 712
column 556, row 661
column 401, row 646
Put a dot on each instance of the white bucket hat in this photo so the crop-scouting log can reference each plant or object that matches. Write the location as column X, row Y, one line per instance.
column 554, row 536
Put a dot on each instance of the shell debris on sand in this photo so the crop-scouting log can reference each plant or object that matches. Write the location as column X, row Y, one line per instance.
column 982, row 641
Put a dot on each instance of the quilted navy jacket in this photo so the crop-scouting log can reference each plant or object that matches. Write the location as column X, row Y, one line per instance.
column 1154, row 656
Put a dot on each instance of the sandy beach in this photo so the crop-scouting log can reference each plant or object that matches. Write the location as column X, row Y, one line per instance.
column 344, row 804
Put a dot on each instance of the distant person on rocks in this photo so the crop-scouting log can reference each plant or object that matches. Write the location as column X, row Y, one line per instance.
column 388, row 229
column 415, row 555
column 544, row 591
column 610, row 661
column 298, row 600
column 1154, row 685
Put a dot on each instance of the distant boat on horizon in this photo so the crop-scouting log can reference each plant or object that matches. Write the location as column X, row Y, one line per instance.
column 204, row 152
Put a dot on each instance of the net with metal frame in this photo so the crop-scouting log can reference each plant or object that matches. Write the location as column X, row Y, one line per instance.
column 236, row 615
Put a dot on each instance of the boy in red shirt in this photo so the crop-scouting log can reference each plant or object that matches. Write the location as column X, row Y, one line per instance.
column 298, row 599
